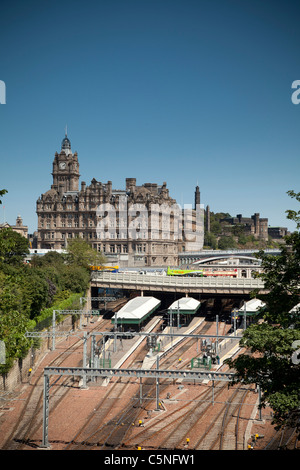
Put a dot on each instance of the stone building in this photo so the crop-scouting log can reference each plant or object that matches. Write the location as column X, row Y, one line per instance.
column 136, row 226
column 19, row 227
column 254, row 225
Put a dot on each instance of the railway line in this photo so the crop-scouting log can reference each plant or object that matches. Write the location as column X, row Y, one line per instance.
column 30, row 417
column 98, row 422
column 113, row 433
column 191, row 418
column 285, row 439
column 124, row 414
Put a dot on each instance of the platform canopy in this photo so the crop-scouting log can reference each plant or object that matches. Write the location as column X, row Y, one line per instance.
column 185, row 305
column 295, row 309
column 136, row 310
column 253, row 306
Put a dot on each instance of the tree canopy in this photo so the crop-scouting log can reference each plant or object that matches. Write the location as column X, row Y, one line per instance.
column 13, row 247
column 28, row 291
column 80, row 253
column 270, row 360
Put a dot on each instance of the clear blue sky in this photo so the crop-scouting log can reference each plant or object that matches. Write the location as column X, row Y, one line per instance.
column 182, row 91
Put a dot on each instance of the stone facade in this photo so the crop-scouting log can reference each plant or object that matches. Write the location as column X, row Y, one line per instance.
column 135, row 226
column 19, row 227
column 254, row 225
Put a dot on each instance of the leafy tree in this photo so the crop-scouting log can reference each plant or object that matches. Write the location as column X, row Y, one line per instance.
column 13, row 247
column 80, row 253
column 74, row 278
column 29, row 292
column 270, row 342
column 52, row 258
column 210, row 240
column 12, row 331
column 2, row 192
column 226, row 243
column 215, row 227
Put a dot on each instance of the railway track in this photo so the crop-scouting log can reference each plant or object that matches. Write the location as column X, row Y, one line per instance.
column 222, row 432
column 107, row 428
column 111, row 434
column 30, row 417
column 98, row 428
column 176, row 424
column 285, row 439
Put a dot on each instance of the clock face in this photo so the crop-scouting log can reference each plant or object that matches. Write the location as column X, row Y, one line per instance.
column 62, row 165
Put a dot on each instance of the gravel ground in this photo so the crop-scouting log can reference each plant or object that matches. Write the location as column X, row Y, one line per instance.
column 66, row 420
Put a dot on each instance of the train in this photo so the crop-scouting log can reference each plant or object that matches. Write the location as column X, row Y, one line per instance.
column 201, row 273
column 110, row 269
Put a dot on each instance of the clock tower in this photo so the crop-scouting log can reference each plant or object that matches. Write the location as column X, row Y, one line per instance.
column 65, row 169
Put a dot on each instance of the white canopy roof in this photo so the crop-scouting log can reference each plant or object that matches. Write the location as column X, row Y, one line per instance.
column 136, row 309
column 252, row 305
column 185, row 303
column 294, row 309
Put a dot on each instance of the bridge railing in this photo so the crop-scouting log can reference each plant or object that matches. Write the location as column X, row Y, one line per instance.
column 202, row 253
column 146, row 280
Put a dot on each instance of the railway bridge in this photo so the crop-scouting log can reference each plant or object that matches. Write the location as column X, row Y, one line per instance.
column 188, row 258
column 185, row 285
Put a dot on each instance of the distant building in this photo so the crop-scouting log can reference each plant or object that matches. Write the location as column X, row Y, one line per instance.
column 136, row 226
column 19, row 227
column 278, row 232
column 253, row 225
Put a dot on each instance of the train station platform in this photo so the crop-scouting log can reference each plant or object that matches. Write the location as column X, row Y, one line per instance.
column 119, row 350
column 136, row 310
column 185, row 306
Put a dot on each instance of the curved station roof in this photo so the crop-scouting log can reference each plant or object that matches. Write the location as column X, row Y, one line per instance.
column 252, row 307
column 136, row 310
column 185, row 305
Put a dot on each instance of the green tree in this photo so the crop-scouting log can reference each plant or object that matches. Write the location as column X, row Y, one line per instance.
column 210, row 240
column 80, row 253
column 12, row 331
column 271, row 341
column 2, row 192
column 13, row 247
column 226, row 243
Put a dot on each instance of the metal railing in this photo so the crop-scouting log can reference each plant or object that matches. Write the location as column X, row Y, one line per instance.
column 124, row 279
column 269, row 251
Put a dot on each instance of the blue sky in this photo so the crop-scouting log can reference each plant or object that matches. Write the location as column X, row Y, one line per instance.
column 183, row 91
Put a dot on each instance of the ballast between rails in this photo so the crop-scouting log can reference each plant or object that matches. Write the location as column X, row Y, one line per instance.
column 107, row 372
